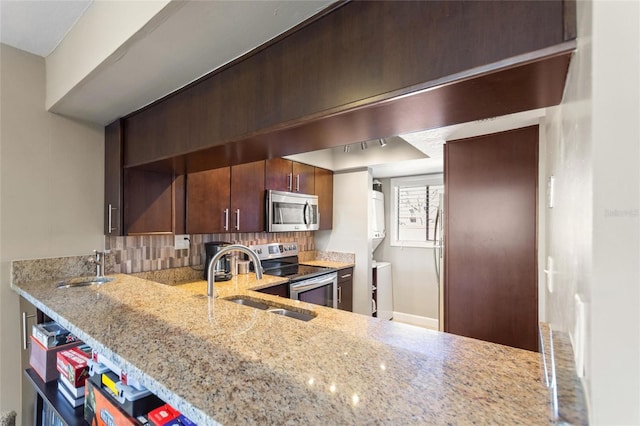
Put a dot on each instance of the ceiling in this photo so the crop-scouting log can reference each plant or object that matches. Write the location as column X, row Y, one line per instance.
column 38, row 26
column 180, row 44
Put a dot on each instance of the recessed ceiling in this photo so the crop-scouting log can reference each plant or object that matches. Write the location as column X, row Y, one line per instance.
column 38, row 26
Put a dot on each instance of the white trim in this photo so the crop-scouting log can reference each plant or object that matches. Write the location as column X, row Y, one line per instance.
column 425, row 322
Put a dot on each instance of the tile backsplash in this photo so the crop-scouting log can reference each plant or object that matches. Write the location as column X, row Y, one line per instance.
column 156, row 252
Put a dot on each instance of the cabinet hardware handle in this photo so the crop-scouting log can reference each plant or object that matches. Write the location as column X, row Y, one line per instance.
column 238, row 219
column 226, row 219
column 297, row 183
column 339, row 294
column 290, row 182
column 345, row 276
column 25, row 317
column 110, row 215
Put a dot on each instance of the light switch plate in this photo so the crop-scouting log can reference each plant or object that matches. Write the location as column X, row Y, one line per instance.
column 181, row 242
column 550, row 191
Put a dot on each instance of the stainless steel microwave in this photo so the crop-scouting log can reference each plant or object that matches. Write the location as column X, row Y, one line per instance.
column 291, row 211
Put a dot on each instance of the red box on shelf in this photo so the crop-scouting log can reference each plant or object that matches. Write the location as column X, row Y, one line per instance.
column 72, row 364
column 43, row 360
column 163, row 416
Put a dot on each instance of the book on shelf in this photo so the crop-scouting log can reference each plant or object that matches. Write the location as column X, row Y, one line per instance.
column 75, row 402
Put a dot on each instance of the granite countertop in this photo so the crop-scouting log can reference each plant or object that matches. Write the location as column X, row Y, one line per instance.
column 328, row 264
column 219, row 362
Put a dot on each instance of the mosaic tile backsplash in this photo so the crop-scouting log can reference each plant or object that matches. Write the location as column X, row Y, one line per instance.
column 156, row 252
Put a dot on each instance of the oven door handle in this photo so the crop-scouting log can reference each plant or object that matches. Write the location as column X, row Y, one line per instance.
column 314, row 282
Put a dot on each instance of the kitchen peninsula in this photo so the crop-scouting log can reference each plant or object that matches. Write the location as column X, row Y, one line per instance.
column 220, row 362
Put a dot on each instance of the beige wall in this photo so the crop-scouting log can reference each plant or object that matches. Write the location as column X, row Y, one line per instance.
column 593, row 230
column 51, row 192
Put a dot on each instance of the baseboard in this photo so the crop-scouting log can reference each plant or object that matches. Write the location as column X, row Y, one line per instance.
column 425, row 322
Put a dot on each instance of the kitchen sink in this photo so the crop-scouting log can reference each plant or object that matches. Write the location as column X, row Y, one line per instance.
column 263, row 306
column 83, row 282
column 249, row 302
column 292, row 314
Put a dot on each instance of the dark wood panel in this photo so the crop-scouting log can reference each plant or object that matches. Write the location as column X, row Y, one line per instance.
column 179, row 205
column 279, row 174
column 303, row 178
column 491, row 290
column 148, row 202
column 113, row 178
column 360, row 51
column 345, row 286
column 527, row 84
column 324, row 191
column 247, row 197
column 208, row 198
column 281, row 290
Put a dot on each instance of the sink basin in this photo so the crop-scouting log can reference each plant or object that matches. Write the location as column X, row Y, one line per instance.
column 83, row 281
column 292, row 314
column 249, row 302
column 263, row 306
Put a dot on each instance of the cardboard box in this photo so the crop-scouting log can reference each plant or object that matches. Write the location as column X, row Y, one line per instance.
column 43, row 360
column 72, row 364
column 51, row 334
column 99, row 410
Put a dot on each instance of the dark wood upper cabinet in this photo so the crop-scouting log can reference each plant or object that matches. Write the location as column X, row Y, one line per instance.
column 491, row 278
column 279, row 174
column 247, row 197
column 148, row 202
column 113, row 179
column 229, row 199
column 208, row 198
column 357, row 56
column 303, row 178
column 290, row 176
column 324, row 191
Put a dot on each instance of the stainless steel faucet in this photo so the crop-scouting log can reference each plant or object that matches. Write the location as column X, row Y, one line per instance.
column 226, row 249
column 98, row 259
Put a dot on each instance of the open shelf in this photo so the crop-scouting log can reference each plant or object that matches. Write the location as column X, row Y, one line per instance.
column 49, row 393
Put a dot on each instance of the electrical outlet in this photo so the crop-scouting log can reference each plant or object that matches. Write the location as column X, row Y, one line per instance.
column 181, row 242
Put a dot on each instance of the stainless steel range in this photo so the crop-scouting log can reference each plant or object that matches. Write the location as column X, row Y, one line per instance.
column 312, row 284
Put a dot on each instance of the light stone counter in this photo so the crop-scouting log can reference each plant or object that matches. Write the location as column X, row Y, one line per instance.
column 328, row 264
column 217, row 361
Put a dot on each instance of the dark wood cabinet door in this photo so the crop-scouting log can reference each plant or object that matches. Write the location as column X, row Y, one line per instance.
column 345, row 289
column 303, row 178
column 148, row 202
column 279, row 174
column 113, row 178
column 324, row 190
column 247, row 197
column 208, row 198
column 491, row 290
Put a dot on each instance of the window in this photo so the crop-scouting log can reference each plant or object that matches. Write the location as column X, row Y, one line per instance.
column 416, row 201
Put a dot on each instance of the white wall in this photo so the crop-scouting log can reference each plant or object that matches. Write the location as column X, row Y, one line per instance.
column 51, row 192
column 593, row 230
column 415, row 285
column 350, row 231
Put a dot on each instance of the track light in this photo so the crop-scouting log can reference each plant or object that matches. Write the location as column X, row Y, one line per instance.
column 347, row 148
column 363, row 145
column 382, row 142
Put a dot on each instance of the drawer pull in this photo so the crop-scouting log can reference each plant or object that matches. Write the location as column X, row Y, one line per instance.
column 345, row 276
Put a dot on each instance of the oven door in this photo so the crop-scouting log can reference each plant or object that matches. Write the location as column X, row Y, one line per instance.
column 322, row 290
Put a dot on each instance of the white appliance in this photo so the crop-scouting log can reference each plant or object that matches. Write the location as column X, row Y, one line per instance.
column 376, row 219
